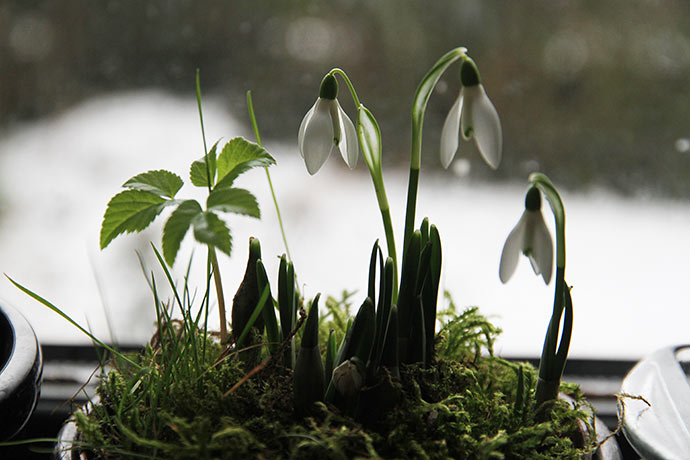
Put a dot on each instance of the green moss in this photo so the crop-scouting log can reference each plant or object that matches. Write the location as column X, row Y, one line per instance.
column 465, row 405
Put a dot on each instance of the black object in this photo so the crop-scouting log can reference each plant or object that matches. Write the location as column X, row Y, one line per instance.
column 21, row 368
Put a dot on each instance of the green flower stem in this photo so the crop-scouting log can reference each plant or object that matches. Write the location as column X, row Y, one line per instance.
column 549, row 190
column 554, row 355
column 250, row 107
column 421, row 98
column 375, row 170
column 350, row 86
column 390, row 241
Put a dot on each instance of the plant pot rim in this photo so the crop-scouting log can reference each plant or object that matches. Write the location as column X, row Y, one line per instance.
column 656, row 402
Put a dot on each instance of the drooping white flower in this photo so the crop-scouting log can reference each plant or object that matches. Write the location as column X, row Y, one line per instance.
column 326, row 127
column 530, row 237
column 474, row 113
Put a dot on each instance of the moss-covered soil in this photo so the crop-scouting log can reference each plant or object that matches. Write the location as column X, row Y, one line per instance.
column 465, row 405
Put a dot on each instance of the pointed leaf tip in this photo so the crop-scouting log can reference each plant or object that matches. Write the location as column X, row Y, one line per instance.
column 160, row 182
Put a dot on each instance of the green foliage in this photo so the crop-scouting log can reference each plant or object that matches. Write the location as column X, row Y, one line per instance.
column 236, row 200
column 237, row 157
column 176, row 228
column 199, row 173
column 130, row 211
column 466, row 335
column 149, row 193
column 212, row 231
column 161, row 182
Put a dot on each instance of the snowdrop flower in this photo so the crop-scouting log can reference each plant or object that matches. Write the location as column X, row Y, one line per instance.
column 478, row 117
column 325, row 128
column 531, row 237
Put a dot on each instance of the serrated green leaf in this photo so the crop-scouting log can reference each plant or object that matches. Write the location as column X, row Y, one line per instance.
column 238, row 156
column 198, row 174
column 176, row 228
column 211, row 230
column 130, row 211
column 235, row 200
column 160, row 182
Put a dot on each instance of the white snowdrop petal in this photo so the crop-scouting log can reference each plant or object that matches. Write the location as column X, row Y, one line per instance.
column 450, row 133
column 302, row 128
column 486, row 128
column 512, row 250
column 317, row 140
column 349, row 147
column 542, row 248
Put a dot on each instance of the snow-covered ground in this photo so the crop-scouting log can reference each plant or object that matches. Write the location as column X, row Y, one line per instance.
column 627, row 259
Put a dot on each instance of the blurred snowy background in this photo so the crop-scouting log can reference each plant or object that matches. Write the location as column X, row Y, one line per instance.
column 593, row 95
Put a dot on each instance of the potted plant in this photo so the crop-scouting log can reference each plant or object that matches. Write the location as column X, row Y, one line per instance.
column 21, row 367
column 297, row 377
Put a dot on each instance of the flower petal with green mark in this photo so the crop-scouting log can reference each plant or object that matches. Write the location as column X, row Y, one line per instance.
column 237, row 157
column 130, row 211
column 176, row 228
column 211, row 230
column 236, row 200
column 480, row 120
column 475, row 117
column 160, row 182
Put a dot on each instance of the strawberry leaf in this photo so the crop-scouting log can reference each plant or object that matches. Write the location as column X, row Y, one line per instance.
column 130, row 211
column 239, row 156
column 209, row 229
column 160, row 182
column 176, row 228
column 198, row 174
column 235, row 200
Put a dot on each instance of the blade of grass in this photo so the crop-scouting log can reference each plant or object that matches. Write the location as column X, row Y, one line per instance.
column 45, row 302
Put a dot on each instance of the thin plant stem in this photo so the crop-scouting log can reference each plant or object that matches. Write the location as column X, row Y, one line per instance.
column 388, row 229
column 376, row 173
column 250, row 107
column 212, row 253
column 219, row 294
column 203, row 131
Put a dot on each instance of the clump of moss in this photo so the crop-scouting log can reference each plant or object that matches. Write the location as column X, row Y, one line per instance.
column 466, row 404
